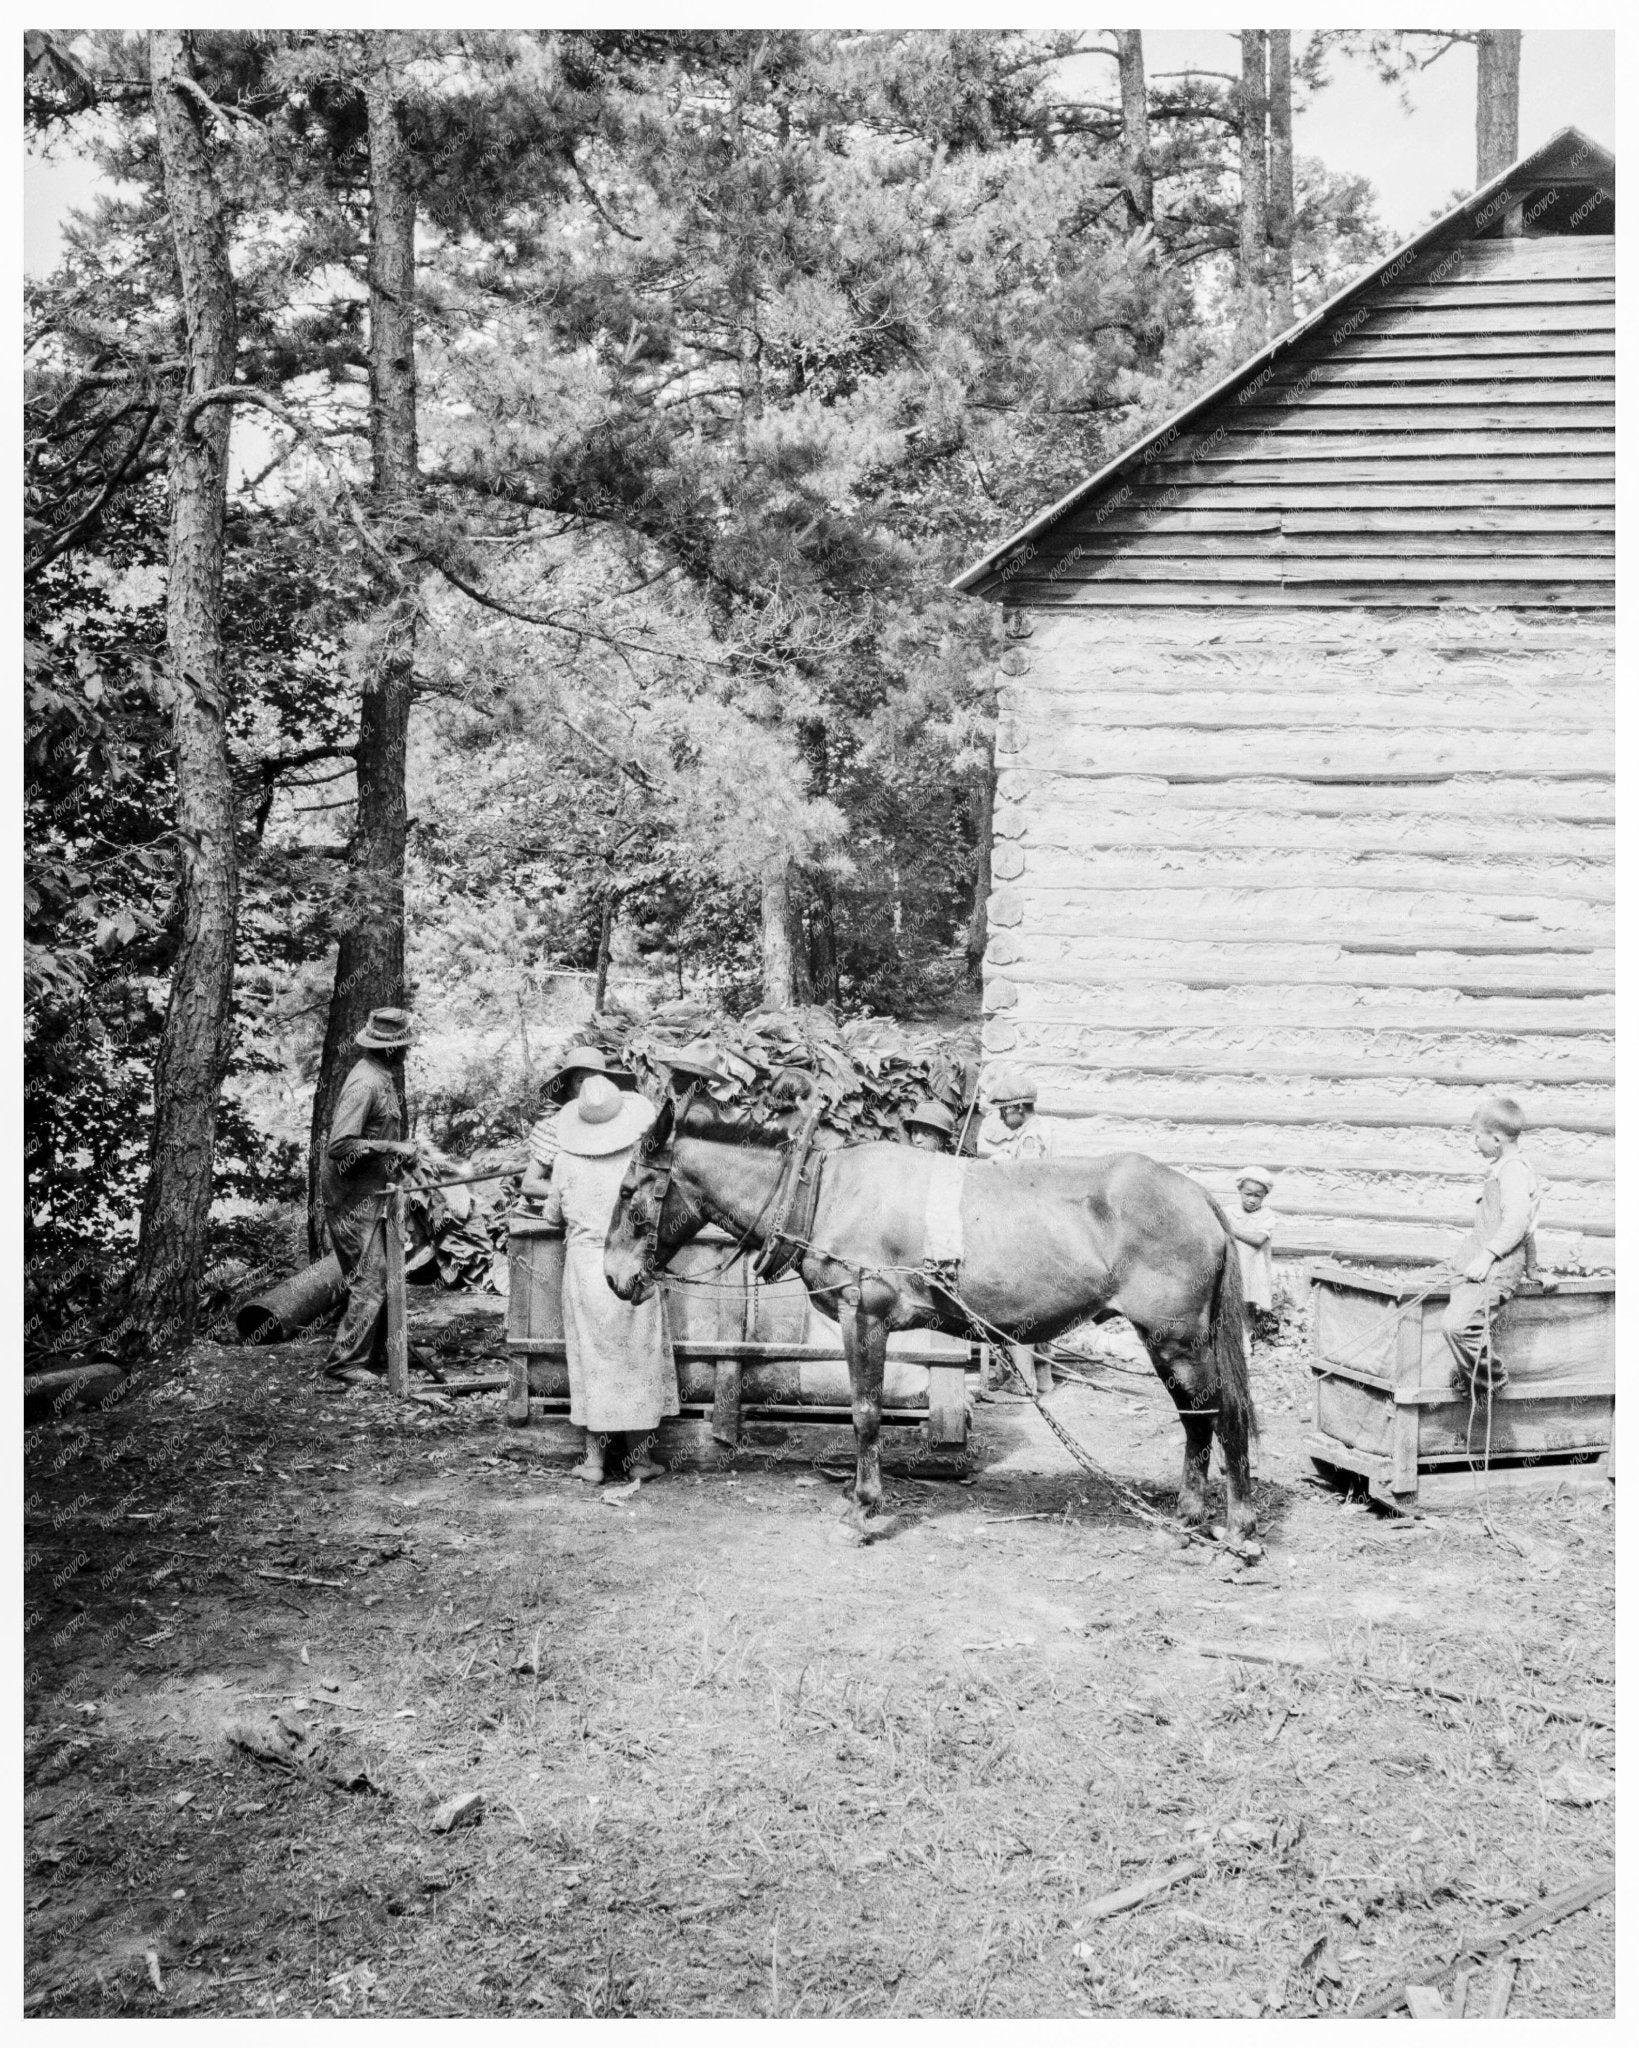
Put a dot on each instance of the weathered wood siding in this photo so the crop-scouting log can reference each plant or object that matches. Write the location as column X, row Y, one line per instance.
column 1447, row 439
column 1295, row 885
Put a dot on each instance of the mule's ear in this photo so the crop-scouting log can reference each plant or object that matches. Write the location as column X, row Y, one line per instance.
column 658, row 1135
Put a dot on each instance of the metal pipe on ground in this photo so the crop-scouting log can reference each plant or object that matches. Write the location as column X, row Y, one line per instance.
column 294, row 1306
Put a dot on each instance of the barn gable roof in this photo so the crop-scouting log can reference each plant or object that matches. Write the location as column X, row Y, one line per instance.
column 1517, row 430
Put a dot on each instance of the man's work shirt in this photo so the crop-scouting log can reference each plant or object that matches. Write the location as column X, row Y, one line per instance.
column 366, row 1108
column 1030, row 1141
column 543, row 1140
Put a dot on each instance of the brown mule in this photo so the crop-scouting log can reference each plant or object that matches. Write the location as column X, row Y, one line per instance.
column 1047, row 1244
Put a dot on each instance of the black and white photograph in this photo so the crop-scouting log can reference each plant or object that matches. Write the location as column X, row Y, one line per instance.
column 819, row 1072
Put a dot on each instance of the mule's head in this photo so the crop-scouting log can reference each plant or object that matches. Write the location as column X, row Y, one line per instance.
column 639, row 1241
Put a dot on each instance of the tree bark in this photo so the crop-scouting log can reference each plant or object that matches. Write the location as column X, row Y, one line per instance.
column 1280, row 179
column 1135, row 126
column 370, row 954
column 1496, row 104
column 606, row 929
column 785, row 978
column 822, row 939
column 983, row 813
column 193, row 1052
column 1254, row 182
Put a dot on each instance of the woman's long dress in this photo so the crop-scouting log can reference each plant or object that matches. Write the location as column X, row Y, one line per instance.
column 622, row 1374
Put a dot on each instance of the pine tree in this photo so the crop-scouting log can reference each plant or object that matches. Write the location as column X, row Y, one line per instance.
column 194, row 1045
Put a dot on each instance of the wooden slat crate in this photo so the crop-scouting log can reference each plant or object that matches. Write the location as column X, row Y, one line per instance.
column 746, row 1351
column 1389, row 1404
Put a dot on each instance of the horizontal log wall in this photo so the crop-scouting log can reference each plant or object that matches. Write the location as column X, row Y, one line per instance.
column 1447, row 438
column 1296, row 887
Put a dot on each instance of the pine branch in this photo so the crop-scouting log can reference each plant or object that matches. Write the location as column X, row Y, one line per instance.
column 244, row 394
column 555, row 622
column 596, row 203
column 61, row 542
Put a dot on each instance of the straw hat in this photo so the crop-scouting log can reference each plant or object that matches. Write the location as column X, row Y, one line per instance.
column 602, row 1119
column 581, row 1059
column 386, row 1031
column 699, row 1057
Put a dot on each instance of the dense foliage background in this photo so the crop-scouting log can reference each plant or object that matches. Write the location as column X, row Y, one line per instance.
column 730, row 350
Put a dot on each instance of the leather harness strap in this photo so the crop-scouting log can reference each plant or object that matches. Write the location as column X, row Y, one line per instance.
column 796, row 1199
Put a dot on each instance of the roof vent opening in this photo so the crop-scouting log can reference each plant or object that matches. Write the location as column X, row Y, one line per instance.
column 1564, row 208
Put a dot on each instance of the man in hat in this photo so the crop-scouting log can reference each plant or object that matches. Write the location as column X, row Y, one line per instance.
column 358, row 1165
column 929, row 1126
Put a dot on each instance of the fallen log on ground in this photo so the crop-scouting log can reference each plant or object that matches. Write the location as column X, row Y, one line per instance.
column 49, row 1394
column 280, row 1313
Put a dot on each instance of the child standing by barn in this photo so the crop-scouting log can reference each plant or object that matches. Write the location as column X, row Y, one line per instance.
column 1013, row 1130
column 1500, row 1249
column 1254, row 1240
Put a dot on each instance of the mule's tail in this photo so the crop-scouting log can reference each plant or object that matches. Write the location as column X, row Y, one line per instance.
column 1226, row 1336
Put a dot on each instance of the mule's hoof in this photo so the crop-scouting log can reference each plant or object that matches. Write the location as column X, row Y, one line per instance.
column 875, row 1527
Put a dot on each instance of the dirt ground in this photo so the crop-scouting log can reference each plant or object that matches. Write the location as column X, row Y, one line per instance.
column 731, row 1763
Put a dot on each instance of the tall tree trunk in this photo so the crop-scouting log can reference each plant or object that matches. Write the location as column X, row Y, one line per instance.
column 193, row 1049
column 1280, row 179
column 822, row 938
column 1135, row 126
column 1254, row 183
column 370, row 955
column 982, row 813
column 1496, row 103
column 606, row 932
column 785, row 967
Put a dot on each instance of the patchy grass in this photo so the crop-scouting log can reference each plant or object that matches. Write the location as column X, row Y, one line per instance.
column 733, row 1765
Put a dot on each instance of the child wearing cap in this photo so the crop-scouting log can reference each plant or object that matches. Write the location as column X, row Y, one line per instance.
column 1501, row 1247
column 1012, row 1130
column 1254, row 1240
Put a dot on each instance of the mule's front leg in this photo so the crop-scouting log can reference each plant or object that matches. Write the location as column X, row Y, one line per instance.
column 865, row 1340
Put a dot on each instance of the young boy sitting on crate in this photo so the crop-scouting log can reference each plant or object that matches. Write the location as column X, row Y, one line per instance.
column 1500, row 1250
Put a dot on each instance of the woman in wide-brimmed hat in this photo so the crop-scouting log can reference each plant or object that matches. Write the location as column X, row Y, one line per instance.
column 622, row 1376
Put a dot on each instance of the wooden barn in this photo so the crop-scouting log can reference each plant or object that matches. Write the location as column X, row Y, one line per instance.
column 1305, row 760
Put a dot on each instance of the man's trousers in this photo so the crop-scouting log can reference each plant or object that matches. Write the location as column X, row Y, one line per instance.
column 360, row 1243
column 1470, row 1314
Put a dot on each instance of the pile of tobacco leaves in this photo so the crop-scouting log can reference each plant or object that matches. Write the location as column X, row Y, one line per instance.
column 867, row 1073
